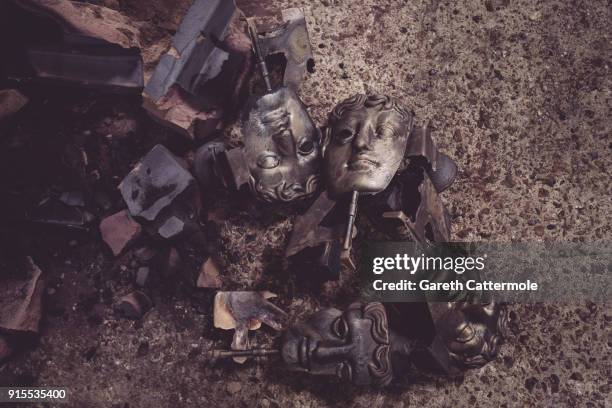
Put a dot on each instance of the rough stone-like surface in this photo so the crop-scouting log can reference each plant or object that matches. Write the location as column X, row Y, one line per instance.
column 518, row 93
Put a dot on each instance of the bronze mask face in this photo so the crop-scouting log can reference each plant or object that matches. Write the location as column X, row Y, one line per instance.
column 365, row 143
column 354, row 345
column 281, row 145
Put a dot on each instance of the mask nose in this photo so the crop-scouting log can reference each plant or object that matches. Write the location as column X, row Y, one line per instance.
column 327, row 353
column 363, row 138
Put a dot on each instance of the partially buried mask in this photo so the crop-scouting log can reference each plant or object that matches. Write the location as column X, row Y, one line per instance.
column 354, row 345
column 281, row 145
column 365, row 143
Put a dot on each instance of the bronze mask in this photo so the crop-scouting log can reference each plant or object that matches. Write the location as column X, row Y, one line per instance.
column 281, row 145
column 365, row 143
column 354, row 345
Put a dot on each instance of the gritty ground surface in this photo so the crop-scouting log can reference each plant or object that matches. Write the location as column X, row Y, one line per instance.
column 519, row 93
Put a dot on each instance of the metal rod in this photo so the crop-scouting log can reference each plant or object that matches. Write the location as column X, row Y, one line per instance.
column 258, row 56
column 218, row 354
column 351, row 221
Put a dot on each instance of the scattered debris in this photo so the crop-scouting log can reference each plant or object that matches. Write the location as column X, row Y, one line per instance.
column 244, row 311
column 54, row 211
column 119, row 230
column 154, row 183
column 171, row 227
column 5, row 348
column 210, row 276
column 134, row 305
column 234, row 387
column 145, row 254
column 21, row 300
column 11, row 102
column 142, row 274
column 314, row 248
column 162, row 194
column 73, row 198
column 206, row 166
column 172, row 263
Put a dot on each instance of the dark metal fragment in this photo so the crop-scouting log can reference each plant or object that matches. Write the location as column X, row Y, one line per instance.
column 291, row 40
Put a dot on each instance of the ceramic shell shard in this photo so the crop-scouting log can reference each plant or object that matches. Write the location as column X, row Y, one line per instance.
column 244, row 311
column 20, row 301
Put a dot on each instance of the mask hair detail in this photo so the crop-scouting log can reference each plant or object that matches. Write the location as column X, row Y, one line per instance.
column 382, row 102
column 282, row 192
column 380, row 368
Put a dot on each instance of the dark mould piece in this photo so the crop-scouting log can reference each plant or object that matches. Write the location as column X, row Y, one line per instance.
column 441, row 169
column 196, row 55
column 162, row 195
column 309, row 229
column 79, row 44
column 54, row 211
column 154, row 183
column 431, row 222
column 134, row 305
column 206, row 165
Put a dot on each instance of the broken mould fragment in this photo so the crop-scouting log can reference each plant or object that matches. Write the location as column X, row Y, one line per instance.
column 194, row 58
column 11, row 102
column 203, row 72
column 77, row 43
column 162, row 195
column 210, row 275
column 142, row 276
column 56, row 211
column 244, row 311
column 21, row 301
column 319, row 264
column 134, row 305
column 154, row 183
column 119, row 230
column 206, row 164
column 291, row 40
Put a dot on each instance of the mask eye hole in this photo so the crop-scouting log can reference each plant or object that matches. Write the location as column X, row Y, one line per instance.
column 306, row 147
column 268, row 161
column 340, row 328
column 344, row 136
